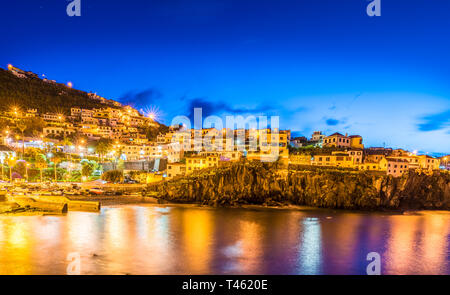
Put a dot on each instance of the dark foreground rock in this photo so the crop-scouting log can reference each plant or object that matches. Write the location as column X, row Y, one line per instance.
column 269, row 184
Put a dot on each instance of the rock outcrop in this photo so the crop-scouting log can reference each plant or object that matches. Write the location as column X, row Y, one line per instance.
column 269, row 184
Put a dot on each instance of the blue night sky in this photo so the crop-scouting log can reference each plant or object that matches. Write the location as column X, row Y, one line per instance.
column 320, row 65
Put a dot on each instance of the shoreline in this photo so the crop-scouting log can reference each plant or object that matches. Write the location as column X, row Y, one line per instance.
column 133, row 196
column 112, row 201
column 119, row 201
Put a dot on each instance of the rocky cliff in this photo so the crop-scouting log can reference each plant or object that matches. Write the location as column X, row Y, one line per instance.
column 269, row 184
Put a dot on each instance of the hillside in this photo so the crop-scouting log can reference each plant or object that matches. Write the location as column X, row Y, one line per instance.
column 33, row 92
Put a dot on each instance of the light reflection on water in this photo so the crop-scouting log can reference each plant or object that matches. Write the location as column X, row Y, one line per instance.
column 191, row 240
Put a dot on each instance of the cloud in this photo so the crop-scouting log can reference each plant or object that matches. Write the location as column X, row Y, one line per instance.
column 435, row 122
column 210, row 108
column 142, row 98
column 332, row 122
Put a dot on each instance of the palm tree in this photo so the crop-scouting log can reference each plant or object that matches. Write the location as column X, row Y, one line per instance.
column 40, row 163
column 22, row 127
column 11, row 163
column 87, row 169
column 66, row 142
column 103, row 148
column 56, row 161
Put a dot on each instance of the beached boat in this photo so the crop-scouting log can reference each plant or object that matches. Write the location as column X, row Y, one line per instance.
column 96, row 191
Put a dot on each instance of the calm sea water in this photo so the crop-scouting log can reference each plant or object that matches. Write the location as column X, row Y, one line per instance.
column 191, row 240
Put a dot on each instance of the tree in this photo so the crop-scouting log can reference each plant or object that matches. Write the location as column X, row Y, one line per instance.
column 34, row 126
column 87, row 169
column 22, row 126
column 40, row 163
column 66, row 142
column 11, row 163
column 56, row 160
column 114, row 176
column 104, row 146
column 20, row 168
column 32, row 152
column 152, row 132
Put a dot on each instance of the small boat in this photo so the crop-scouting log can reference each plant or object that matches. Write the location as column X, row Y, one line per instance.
column 72, row 193
column 96, row 191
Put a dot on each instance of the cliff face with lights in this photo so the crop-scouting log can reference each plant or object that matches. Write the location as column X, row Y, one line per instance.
column 269, row 184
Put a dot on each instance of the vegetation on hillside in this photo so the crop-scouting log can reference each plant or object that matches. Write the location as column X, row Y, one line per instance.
column 34, row 93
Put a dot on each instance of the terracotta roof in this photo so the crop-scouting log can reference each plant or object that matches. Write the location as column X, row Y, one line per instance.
column 336, row 133
column 428, row 157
